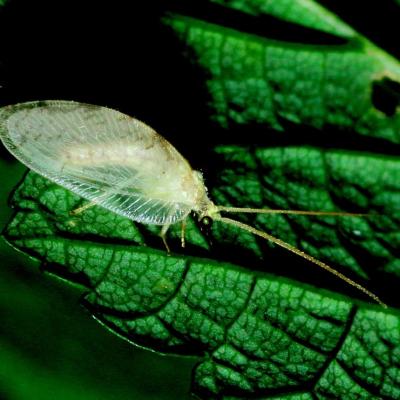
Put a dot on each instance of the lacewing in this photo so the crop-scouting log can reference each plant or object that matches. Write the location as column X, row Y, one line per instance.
column 121, row 164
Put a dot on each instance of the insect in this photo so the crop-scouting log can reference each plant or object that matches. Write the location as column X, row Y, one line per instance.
column 121, row 164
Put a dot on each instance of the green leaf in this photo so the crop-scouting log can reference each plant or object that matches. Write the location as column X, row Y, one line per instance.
column 254, row 333
column 306, row 178
column 307, row 13
column 224, row 298
column 267, row 79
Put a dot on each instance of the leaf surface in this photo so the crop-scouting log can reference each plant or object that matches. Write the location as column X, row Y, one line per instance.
column 263, row 323
column 254, row 333
column 275, row 79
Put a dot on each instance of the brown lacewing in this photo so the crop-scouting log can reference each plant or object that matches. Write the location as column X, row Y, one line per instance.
column 121, row 164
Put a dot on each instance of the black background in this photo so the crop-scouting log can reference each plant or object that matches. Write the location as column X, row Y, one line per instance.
column 118, row 54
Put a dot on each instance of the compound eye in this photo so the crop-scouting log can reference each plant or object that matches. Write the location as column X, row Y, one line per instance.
column 206, row 222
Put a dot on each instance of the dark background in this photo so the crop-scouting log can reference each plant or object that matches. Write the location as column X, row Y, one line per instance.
column 116, row 54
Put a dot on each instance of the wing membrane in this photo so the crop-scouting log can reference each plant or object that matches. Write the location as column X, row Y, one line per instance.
column 102, row 155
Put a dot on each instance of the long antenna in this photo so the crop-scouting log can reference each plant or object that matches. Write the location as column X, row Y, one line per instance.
column 300, row 253
column 296, row 212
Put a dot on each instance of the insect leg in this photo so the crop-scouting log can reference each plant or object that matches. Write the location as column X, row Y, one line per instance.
column 163, row 234
column 183, row 229
column 79, row 210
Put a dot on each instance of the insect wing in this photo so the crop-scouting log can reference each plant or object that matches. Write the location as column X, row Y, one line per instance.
column 102, row 155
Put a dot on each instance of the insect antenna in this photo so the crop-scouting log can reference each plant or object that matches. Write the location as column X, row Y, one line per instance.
column 295, row 212
column 300, row 253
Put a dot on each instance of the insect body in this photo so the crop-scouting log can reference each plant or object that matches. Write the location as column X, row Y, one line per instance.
column 121, row 164
column 104, row 156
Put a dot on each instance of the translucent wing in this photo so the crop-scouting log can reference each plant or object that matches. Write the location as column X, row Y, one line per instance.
column 104, row 156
